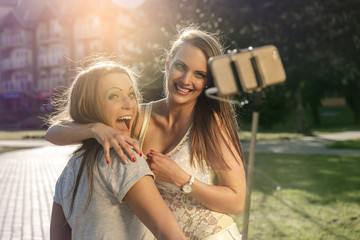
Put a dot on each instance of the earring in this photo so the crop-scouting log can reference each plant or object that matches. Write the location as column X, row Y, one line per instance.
column 206, row 86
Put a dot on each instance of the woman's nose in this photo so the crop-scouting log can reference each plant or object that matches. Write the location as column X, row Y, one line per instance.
column 186, row 78
column 128, row 103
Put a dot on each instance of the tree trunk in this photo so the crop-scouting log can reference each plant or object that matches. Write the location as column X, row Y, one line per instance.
column 356, row 108
column 315, row 114
column 301, row 122
column 353, row 99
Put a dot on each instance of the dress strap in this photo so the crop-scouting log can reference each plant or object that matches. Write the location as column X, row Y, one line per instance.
column 145, row 124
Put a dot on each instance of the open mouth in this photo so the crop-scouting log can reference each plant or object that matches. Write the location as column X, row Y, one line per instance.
column 182, row 90
column 125, row 122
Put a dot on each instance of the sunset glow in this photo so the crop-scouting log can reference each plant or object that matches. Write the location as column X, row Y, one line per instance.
column 129, row 3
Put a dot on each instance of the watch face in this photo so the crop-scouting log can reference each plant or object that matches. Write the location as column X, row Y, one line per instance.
column 187, row 188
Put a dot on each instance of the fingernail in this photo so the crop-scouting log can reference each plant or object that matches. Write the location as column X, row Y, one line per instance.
column 140, row 154
column 152, row 150
column 108, row 162
column 134, row 159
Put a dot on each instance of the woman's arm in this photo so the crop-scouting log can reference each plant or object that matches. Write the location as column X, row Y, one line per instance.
column 68, row 133
column 227, row 197
column 74, row 133
column 59, row 227
column 145, row 200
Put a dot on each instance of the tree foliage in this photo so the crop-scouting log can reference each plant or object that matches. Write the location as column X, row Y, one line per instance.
column 318, row 41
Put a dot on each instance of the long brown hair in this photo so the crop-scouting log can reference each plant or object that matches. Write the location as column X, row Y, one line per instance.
column 209, row 114
column 81, row 103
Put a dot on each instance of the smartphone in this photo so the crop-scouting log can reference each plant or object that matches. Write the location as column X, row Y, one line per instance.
column 247, row 70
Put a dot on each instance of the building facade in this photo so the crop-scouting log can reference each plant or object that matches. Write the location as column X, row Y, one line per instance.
column 41, row 42
column 17, row 65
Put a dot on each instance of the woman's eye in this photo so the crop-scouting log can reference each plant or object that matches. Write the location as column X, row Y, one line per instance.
column 113, row 96
column 179, row 66
column 200, row 75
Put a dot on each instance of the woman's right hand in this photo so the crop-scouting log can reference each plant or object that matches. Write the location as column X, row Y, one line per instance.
column 109, row 138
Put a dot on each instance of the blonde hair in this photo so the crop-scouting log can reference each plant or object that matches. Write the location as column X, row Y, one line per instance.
column 81, row 103
column 209, row 114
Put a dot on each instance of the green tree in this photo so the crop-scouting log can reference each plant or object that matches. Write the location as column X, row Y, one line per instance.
column 345, row 42
column 316, row 41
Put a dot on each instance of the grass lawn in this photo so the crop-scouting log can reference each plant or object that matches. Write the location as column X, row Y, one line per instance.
column 348, row 144
column 319, row 197
column 333, row 119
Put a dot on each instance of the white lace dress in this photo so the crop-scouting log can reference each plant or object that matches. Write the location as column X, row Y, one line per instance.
column 196, row 220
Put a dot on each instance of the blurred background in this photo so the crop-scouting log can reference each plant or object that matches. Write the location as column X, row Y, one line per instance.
column 42, row 42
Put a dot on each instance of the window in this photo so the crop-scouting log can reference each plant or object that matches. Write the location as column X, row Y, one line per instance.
column 55, row 28
column 41, row 31
column 42, row 56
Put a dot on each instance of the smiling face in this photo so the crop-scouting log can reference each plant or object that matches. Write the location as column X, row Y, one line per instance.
column 118, row 100
column 187, row 74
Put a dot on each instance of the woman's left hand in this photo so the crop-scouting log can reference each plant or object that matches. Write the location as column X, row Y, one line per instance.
column 166, row 170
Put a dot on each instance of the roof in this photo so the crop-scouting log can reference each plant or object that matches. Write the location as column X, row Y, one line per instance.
column 6, row 6
column 28, row 10
column 12, row 18
column 32, row 10
column 47, row 11
column 9, row 3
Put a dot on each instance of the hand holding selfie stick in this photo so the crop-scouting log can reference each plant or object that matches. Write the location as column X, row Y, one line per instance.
column 247, row 71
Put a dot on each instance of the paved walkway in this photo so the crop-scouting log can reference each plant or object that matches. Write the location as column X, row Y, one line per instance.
column 28, row 176
column 27, row 179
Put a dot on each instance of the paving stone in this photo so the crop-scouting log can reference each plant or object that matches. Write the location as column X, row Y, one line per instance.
column 27, row 182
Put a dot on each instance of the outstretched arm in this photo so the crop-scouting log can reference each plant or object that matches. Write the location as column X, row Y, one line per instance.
column 145, row 200
column 74, row 133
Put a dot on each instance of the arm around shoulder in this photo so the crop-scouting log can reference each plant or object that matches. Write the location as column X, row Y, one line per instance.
column 69, row 133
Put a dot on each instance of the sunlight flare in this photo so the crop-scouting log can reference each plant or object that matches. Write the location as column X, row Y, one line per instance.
column 129, row 3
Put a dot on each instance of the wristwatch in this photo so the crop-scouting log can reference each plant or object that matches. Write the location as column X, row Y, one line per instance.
column 188, row 187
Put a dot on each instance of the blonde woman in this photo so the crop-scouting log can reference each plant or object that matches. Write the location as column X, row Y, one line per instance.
column 190, row 141
column 95, row 199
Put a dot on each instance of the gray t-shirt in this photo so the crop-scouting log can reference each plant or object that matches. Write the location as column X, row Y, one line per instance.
column 107, row 216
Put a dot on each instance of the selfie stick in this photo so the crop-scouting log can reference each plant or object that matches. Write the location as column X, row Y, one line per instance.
column 250, row 172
